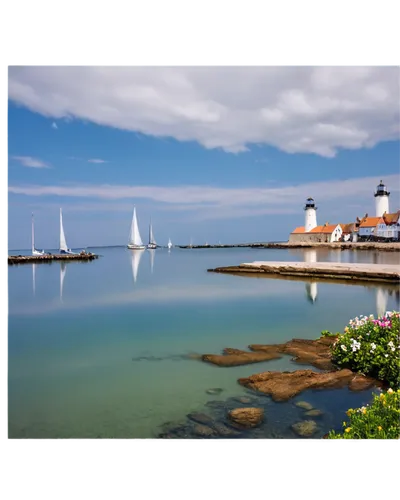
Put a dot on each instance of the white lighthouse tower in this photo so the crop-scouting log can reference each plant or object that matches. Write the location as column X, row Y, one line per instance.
column 311, row 215
column 381, row 200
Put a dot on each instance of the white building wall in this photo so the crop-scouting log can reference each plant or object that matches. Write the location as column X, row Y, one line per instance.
column 366, row 231
column 336, row 234
column 384, row 231
column 381, row 205
column 310, row 219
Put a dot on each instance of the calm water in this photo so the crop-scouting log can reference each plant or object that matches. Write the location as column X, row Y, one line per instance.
column 98, row 349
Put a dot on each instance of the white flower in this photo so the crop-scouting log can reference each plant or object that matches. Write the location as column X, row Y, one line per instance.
column 386, row 355
column 373, row 346
column 390, row 344
column 344, row 348
column 393, row 349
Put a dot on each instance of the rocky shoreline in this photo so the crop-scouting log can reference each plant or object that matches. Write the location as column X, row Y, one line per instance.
column 272, row 395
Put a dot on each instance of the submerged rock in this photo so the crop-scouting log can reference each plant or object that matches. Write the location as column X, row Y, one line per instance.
column 361, row 383
column 314, row 413
column 244, row 400
column 246, row 417
column 225, row 431
column 215, row 391
column 236, row 357
column 306, row 428
column 314, row 352
column 218, row 405
column 304, row 405
column 200, row 418
column 203, row 430
column 284, row 385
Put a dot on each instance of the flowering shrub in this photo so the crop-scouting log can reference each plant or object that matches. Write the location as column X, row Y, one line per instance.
column 371, row 346
column 380, row 420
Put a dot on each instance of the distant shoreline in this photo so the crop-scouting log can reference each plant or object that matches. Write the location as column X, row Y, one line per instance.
column 368, row 245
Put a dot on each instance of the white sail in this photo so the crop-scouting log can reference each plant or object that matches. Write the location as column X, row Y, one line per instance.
column 63, row 243
column 152, row 254
column 136, row 255
column 63, row 268
column 169, row 243
column 134, row 237
column 152, row 241
column 34, row 251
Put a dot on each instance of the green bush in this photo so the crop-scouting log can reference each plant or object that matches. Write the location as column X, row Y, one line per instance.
column 371, row 346
column 380, row 420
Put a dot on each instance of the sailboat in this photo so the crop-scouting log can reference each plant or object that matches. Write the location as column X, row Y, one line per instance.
column 63, row 269
column 152, row 242
column 34, row 251
column 169, row 245
column 135, row 241
column 63, row 244
column 135, row 261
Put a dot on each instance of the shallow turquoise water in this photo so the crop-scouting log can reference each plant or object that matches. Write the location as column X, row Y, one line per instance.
column 97, row 349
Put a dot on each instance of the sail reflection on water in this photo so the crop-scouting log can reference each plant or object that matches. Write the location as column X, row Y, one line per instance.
column 63, row 269
column 136, row 255
column 152, row 255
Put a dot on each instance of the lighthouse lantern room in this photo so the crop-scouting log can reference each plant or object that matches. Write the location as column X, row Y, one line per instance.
column 310, row 215
column 381, row 200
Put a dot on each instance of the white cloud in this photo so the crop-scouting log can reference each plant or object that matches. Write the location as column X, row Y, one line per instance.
column 97, row 160
column 206, row 197
column 28, row 161
column 54, row 125
column 297, row 109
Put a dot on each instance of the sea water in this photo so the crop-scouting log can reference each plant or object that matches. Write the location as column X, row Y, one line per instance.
column 108, row 348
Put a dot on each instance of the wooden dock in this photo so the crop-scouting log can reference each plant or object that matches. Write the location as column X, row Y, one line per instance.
column 34, row 259
column 386, row 273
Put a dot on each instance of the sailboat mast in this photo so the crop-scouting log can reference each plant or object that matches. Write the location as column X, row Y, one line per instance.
column 150, row 233
column 33, row 235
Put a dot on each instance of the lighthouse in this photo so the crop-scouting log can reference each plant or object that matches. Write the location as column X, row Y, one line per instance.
column 381, row 200
column 311, row 215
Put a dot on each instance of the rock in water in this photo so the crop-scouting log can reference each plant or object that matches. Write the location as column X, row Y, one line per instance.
column 214, row 391
column 203, row 430
column 246, row 417
column 304, row 405
column 225, row 431
column 314, row 413
column 200, row 418
column 306, row 428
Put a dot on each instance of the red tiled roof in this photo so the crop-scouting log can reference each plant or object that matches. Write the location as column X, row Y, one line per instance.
column 370, row 221
column 389, row 219
column 299, row 229
column 329, row 228
column 347, row 228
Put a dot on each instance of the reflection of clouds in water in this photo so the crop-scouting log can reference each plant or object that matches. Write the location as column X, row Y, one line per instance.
column 165, row 294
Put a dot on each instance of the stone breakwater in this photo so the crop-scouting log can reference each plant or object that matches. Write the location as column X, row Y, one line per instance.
column 362, row 245
column 386, row 273
column 33, row 259
column 338, row 245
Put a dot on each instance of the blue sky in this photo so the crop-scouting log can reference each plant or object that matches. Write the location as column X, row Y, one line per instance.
column 208, row 154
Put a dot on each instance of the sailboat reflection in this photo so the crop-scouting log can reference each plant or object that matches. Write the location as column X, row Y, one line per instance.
column 136, row 255
column 310, row 255
column 33, row 278
column 63, row 269
column 152, row 255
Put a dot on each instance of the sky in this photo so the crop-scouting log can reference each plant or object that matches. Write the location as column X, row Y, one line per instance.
column 209, row 153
